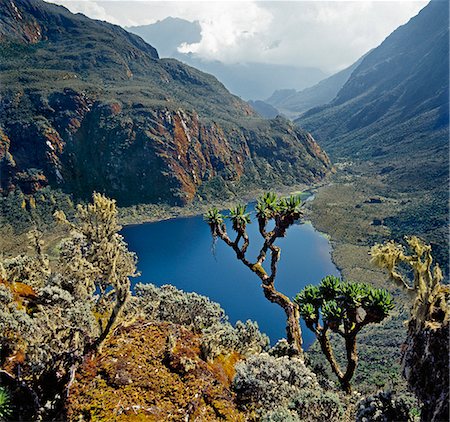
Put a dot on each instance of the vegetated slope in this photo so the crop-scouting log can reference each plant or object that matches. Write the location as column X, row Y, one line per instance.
column 264, row 109
column 123, row 383
column 87, row 106
column 392, row 116
column 292, row 103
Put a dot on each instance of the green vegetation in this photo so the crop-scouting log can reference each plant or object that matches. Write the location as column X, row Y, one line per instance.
column 343, row 308
column 5, row 404
column 72, row 332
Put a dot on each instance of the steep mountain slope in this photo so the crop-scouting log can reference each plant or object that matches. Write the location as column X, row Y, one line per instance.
column 248, row 80
column 264, row 109
column 392, row 117
column 87, row 106
column 292, row 103
column 399, row 91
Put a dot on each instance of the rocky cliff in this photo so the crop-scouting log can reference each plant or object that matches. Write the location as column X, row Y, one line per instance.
column 87, row 106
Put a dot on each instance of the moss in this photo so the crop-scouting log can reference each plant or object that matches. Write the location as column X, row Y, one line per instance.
column 153, row 372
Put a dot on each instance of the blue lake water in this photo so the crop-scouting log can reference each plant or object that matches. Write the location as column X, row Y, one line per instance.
column 179, row 252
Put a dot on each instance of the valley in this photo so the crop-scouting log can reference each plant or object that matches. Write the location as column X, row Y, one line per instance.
column 128, row 262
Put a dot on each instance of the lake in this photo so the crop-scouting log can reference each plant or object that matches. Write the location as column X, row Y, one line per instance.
column 179, row 252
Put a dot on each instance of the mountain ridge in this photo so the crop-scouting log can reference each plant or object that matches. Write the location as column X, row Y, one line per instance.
column 85, row 108
column 391, row 118
column 292, row 103
column 251, row 81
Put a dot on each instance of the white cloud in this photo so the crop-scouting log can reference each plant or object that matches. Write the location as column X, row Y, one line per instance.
column 227, row 30
column 325, row 34
column 92, row 9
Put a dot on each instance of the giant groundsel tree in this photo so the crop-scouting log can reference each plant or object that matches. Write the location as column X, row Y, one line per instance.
column 343, row 308
column 282, row 213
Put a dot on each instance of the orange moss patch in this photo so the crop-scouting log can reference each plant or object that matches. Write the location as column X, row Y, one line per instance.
column 153, row 372
column 22, row 293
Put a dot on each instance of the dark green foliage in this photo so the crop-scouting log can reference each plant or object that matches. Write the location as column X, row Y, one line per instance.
column 376, row 369
column 383, row 407
column 343, row 308
column 5, row 404
column 239, row 217
column 23, row 212
column 336, row 301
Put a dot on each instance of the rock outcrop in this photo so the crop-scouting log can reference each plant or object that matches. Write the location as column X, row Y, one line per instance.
column 87, row 106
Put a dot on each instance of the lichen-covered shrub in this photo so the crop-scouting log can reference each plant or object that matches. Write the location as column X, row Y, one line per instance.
column 317, row 405
column 265, row 382
column 244, row 338
column 382, row 407
column 282, row 348
column 281, row 414
column 425, row 357
column 167, row 303
column 51, row 316
column 308, row 406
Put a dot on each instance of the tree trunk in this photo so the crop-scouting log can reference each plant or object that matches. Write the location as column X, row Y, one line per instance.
column 293, row 330
column 352, row 361
column 325, row 345
column 120, row 301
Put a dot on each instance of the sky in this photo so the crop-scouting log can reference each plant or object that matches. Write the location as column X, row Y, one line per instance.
column 329, row 35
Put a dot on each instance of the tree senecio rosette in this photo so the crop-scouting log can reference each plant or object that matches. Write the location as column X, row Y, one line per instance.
column 283, row 212
column 343, row 308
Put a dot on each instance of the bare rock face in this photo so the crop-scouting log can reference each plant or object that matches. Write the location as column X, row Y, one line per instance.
column 426, row 365
column 87, row 106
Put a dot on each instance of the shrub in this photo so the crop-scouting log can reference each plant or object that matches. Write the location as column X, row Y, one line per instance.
column 167, row 303
column 5, row 404
column 265, row 382
column 308, row 406
column 382, row 407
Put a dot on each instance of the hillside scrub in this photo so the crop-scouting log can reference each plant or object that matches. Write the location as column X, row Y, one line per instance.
column 271, row 388
column 56, row 314
column 53, row 315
